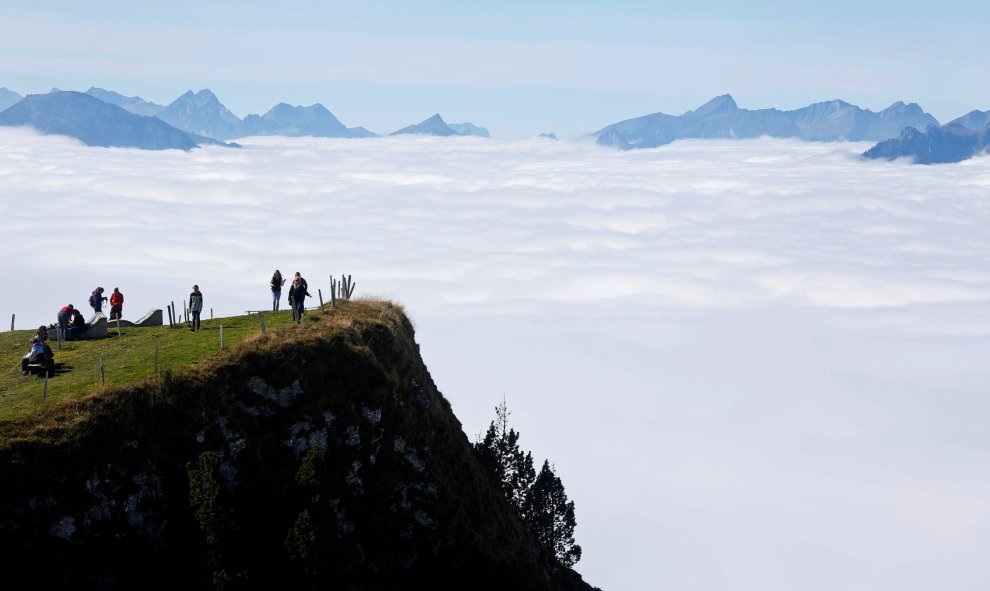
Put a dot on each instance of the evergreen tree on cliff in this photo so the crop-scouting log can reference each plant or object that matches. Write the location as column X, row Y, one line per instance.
column 550, row 516
column 540, row 499
column 500, row 454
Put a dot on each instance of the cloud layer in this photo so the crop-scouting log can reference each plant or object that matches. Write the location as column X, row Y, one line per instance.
column 756, row 364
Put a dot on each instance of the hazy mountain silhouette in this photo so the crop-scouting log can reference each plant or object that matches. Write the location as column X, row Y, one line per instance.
column 202, row 114
column 975, row 120
column 722, row 118
column 134, row 104
column 936, row 145
column 94, row 122
column 434, row 125
column 286, row 120
column 8, row 98
column 469, row 129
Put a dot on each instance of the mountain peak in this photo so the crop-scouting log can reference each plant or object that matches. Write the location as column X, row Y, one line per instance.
column 720, row 104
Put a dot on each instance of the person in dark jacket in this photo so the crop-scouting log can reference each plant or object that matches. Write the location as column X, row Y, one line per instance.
column 297, row 297
column 195, row 308
column 77, row 325
column 96, row 300
column 116, row 304
column 276, row 284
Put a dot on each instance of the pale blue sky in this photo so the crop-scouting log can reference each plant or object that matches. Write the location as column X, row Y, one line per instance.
column 517, row 68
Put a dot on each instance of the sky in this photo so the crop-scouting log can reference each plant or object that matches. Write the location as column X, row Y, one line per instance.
column 756, row 365
column 517, row 68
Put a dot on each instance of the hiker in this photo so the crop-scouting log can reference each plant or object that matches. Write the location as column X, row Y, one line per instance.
column 63, row 316
column 39, row 353
column 195, row 307
column 116, row 304
column 297, row 297
column 277, row 283
column 77, row 326
column 96, row 300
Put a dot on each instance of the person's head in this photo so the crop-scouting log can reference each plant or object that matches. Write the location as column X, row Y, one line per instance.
column 116, row 290
column 297, row 274
column 195, row 288
column 71, row 307
column 99, row 289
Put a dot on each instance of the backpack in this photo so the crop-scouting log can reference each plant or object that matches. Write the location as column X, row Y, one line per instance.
column 94, row 299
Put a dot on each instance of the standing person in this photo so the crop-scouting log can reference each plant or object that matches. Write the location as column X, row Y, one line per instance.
column 116, row 304
column 96, row 300
column 297, row 295
column 195, row 307
column 63, row 316
column 277, row 283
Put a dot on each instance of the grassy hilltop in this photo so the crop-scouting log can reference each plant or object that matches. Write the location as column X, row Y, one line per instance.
column 127, row 358
column 313, row 456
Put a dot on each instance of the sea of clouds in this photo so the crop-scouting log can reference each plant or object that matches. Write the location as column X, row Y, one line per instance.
column 756, row 365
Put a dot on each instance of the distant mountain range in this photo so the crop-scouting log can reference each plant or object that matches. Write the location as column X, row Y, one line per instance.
column 95, row 122
column 205, row 119
column 722, row 118
column 102, row 117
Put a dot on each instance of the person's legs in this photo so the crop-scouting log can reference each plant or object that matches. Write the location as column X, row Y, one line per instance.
column 63, row 325
column 276, row 296
column 24, row 365
column 195, row 319
column 299, row 309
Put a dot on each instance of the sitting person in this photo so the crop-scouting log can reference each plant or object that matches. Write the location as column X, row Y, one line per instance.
column 39, row 354
column 77, row 325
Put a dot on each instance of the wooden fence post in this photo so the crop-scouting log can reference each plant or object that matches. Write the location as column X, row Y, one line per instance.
column 211, row 313
column 118, row 327
column 221, row 336
column 12, row 322
column 103, row 377
column 262, row 320
column 318, row 291
column 175, row 318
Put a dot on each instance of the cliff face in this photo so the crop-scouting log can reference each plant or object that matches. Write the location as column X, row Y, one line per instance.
column 322, row 457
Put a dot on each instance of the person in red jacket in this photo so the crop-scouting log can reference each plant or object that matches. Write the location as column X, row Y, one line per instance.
column 116, row 303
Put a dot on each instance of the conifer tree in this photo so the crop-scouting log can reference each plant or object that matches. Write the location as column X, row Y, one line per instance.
column 550, row 516
column 500, row 454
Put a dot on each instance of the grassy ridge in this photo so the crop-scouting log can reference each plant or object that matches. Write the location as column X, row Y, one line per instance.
column 128, row 358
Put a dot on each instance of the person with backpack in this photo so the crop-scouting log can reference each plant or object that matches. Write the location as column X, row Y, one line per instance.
column 297, row 297
column 276, row 284
column 195, row 308
column 96, row 300
column 116, row 304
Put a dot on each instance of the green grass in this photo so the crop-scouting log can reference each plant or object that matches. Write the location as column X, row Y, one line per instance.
column 127, row 358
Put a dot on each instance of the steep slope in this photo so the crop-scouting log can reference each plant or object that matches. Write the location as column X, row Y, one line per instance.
column 8, row 98
column 312, row 457
column 722, row 118
column 94, row 122
column 434, row 125
column 202, row 114
column 133, row 104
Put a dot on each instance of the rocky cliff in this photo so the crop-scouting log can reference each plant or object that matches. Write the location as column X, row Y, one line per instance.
column 320, row 456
